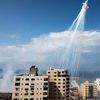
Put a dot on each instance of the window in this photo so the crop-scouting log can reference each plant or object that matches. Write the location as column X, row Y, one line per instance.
column 45, row 98
column 32, row 83
column 45, row 79
column 32, row 88
column 31, row 93
column 26, row 94
column 54, row 83
column 25, row 99
column 55, row 72
column 17, row 79
column 59, row 90
column 45, row 88
column 27, row 79
column 31, row 99
column 45, row 83
column 16, row 94
column 68, row 78
column 17, row 89
column 44, row 93
column 58, row 86
column 58, row 97
column 33, row 79
column 26, row 88
column 17, row 84
column 62, row 71
column 63, row 86
column 59, row 79
column 63, row 90
column 26, row 83
column 67, row 82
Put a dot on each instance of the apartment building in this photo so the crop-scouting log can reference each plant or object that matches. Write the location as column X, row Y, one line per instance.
column 30, row 86
column 58, row 84
column 89, row 91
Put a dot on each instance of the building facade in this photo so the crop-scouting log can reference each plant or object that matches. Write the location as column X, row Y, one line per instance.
column 89, row 91
column 58, row 84
column 30, row 86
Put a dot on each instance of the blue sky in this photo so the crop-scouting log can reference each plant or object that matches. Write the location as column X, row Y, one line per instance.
column 20, row 20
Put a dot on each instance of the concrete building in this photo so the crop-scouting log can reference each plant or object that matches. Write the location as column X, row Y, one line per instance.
column 58, row 84
column 89, row 91
column 30, row 86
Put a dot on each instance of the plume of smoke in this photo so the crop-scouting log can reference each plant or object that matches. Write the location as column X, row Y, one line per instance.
column 74, row 47
column 6, row 81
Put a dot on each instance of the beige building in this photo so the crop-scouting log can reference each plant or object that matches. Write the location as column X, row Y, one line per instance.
column 58, row 84
column 89, row 91
column 30, row 86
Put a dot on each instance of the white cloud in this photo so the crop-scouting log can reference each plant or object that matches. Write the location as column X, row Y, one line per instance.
column 40, row 48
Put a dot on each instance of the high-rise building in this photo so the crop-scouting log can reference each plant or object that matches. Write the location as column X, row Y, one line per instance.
column 58, row 84
column 30, row 86
column 89, row 91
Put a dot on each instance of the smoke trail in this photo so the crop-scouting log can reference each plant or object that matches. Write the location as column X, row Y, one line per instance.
column 72, row 51
column 77, row 26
